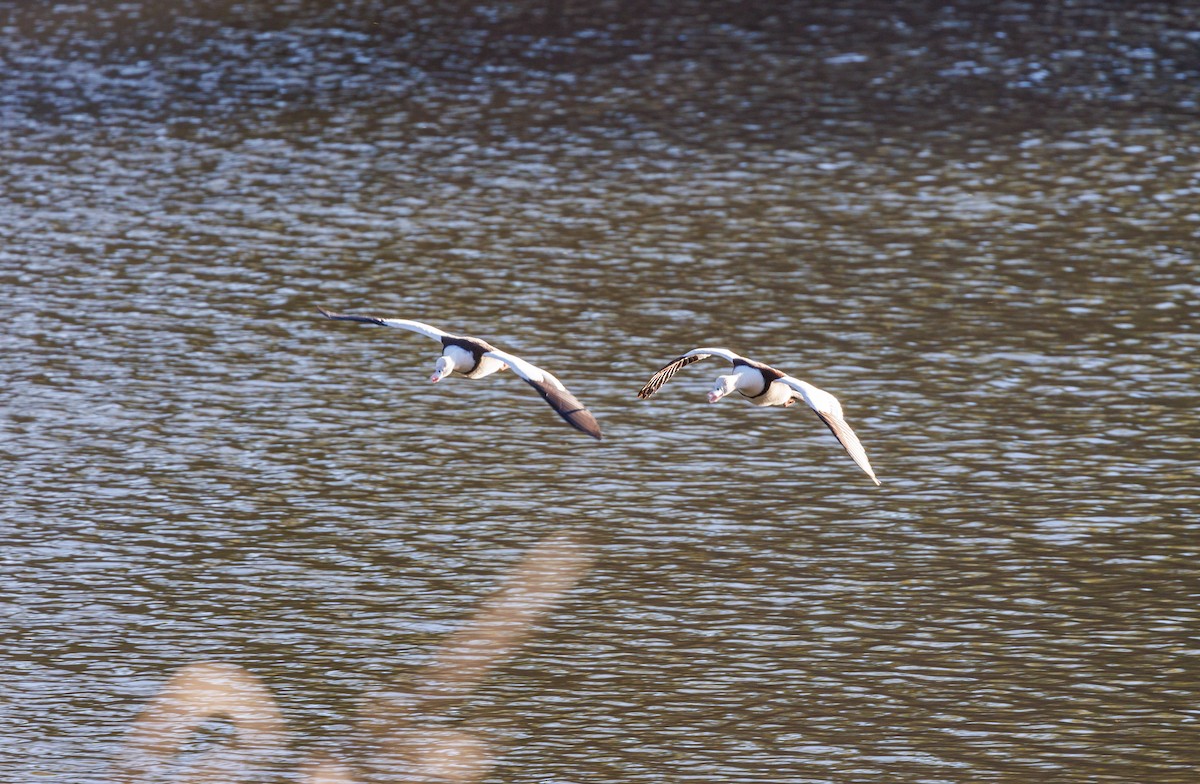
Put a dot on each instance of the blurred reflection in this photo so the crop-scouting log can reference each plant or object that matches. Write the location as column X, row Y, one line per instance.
column 505, row 619
column 167, row 743
column 401, row 725
column 217, row 722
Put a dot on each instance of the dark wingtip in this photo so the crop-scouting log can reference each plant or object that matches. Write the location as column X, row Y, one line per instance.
column 569, row 408
column 652, row 386
column 583, row 421
column 329, row 314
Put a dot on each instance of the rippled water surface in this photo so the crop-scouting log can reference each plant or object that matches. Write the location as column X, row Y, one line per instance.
column 975, row 223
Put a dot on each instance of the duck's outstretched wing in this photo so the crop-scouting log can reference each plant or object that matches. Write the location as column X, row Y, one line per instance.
column 695, row 355
column 412, row 326
column 552, row 391
column 830, row 411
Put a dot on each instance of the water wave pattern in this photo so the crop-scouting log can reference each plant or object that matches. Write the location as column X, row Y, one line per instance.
column 983, row 244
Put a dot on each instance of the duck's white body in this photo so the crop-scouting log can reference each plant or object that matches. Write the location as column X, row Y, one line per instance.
column 748, row 382
column 462, row 361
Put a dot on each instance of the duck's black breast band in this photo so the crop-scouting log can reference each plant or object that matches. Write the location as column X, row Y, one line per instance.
column 477, row 348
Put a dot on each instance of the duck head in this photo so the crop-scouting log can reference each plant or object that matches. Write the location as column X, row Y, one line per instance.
column 442, row 368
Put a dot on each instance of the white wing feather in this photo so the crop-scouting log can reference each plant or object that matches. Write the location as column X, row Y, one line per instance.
column 526, row 370
column 552, row 391
column 723, row 353
column 412, row 326
column 416, row 326
column 830, row 411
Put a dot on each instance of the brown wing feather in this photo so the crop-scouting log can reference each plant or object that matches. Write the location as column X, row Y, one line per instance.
column 663, row 376
column 849, row 441
column 568, row 407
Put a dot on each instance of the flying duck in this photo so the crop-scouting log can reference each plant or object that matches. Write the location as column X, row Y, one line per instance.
column 475, row 358
column 763, row 385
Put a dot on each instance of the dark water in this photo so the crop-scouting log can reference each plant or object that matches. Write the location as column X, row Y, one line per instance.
column 974, row 223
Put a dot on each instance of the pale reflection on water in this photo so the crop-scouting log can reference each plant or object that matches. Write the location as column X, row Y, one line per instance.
column 975, row 226
column 401, row 730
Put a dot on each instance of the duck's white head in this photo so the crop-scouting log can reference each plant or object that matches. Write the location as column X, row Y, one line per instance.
column 723, row 386
column 442, row 368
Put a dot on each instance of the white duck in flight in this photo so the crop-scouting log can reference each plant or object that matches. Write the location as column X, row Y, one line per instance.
column 763, row 385
column 475, row 358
